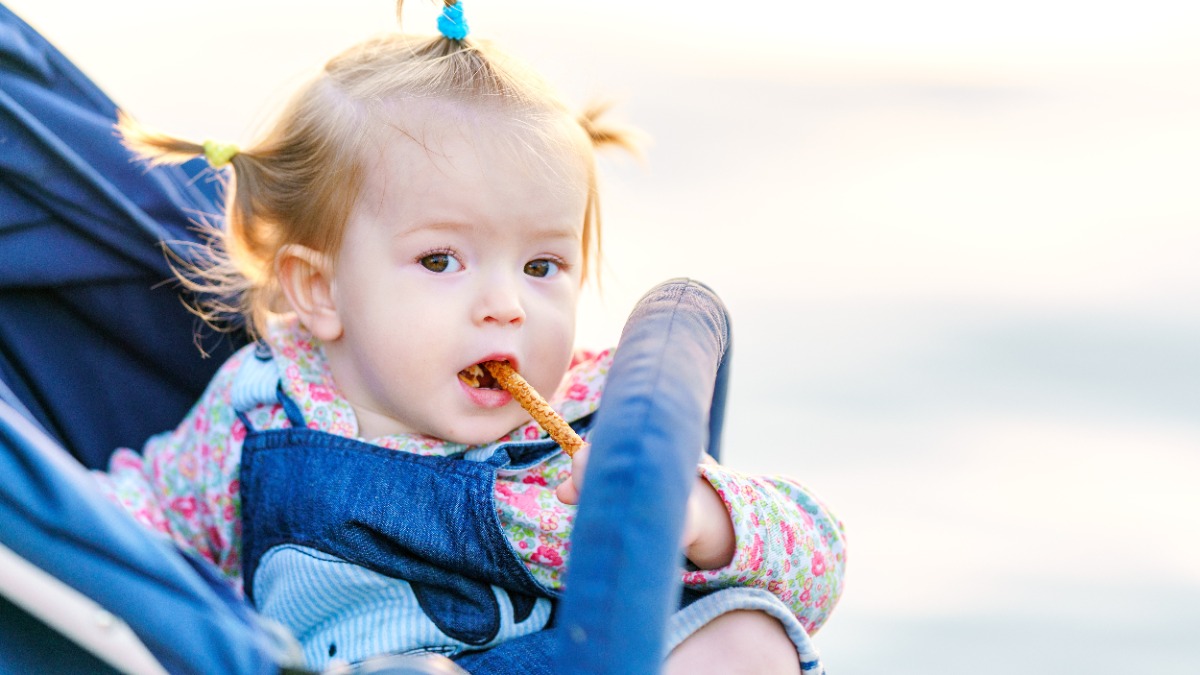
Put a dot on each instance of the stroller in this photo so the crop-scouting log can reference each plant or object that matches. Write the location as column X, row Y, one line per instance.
column 96, row 352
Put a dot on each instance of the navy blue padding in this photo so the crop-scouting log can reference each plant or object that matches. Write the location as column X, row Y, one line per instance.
column 663, row 406
column 55, row 517
column 92, row 340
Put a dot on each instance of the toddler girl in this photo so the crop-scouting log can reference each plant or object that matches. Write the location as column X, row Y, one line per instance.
column 421, row 206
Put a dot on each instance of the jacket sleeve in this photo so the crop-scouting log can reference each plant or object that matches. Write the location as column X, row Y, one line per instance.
column 786, row 542
column 184, row 483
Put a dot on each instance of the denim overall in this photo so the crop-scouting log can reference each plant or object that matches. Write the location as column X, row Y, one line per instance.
column 362, row 550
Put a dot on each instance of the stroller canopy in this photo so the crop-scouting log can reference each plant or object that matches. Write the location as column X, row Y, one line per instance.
column 90, row 335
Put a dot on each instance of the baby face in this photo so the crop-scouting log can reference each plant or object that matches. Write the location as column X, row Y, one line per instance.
column 465, row 246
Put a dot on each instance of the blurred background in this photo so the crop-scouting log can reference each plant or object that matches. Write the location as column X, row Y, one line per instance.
column 959, row 243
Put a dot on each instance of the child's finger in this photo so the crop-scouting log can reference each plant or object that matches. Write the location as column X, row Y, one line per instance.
column 568, row 491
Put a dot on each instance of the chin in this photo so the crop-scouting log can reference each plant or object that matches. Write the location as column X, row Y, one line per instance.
column 482, row 434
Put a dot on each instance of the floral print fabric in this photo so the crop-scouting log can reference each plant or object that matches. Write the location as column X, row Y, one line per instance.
column 184, row 484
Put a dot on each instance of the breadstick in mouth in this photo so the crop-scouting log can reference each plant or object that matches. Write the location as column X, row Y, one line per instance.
column 533, row 403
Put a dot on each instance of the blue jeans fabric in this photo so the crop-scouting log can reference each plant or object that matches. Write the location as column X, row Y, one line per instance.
column 428, row 520
column 526, row 655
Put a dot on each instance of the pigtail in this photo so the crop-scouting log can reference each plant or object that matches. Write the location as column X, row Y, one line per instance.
column 601, row 134
column 228, row 271
column 604, row 134
column 153, row 146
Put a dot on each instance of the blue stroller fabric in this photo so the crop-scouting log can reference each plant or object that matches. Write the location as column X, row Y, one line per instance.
column 93, row 343
column 96, row 353
column 55, row 518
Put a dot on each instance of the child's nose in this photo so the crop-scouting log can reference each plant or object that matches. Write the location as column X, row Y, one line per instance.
column 501, row 304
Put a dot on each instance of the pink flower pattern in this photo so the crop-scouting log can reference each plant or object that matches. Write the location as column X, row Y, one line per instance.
column 184, row 484
column 547, row 555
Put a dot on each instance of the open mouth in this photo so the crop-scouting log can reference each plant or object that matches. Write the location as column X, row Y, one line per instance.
column 478, row 377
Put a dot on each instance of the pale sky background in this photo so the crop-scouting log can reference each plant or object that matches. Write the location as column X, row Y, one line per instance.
column 958, row 240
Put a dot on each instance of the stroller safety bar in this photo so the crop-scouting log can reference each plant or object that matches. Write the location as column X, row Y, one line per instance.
column 74, row 615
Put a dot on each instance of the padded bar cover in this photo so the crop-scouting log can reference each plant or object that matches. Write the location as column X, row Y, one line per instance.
column 656, row 417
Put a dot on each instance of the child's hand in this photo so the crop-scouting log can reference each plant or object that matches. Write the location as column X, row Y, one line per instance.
column 708, row 538
column 568, row 490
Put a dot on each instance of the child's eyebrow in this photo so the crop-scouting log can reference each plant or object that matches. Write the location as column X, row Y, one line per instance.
column 556, row 232
column 540, row 232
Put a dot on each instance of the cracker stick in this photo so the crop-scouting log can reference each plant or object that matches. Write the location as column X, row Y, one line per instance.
column 536, row 406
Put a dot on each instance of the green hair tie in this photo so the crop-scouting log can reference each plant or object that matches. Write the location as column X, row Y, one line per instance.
column 219, row 154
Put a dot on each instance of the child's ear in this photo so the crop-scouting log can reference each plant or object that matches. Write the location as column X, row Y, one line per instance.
column 306, row 278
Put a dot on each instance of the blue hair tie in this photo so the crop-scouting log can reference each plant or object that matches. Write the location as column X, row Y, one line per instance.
column 451, row 23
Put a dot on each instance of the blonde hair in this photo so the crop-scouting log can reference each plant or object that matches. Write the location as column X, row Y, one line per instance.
column 299, row 183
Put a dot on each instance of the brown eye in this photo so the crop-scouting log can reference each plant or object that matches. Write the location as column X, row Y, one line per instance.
column 541, row 268
column 440, row 262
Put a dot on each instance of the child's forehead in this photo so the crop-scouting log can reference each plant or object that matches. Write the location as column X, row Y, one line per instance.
column 426, row 164
column 422, row 131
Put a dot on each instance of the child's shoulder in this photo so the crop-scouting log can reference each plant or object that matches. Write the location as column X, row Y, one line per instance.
column 285, row 352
